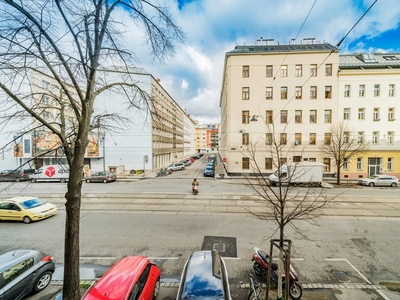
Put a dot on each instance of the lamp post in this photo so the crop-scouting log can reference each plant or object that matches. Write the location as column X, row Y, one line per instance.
column 103, row 140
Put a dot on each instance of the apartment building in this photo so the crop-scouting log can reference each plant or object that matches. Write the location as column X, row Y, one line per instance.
column 294, row 94
column 148, row 141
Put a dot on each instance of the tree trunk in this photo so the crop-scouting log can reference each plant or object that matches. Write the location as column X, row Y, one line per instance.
column 338, row 174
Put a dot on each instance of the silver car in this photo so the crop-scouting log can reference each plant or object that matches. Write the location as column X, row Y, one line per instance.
column 379, row 180
column 176, row 167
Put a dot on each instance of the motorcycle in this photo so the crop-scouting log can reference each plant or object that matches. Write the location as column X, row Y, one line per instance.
column 260, row 266
column 195, row 189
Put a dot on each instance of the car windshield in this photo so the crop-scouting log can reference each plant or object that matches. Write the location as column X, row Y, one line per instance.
column 31, row 203
column 373, row 177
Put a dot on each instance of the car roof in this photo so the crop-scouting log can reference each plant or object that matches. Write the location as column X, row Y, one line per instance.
column 18, row 199
column 115, row 283
column 203, row 276
column 8, row 259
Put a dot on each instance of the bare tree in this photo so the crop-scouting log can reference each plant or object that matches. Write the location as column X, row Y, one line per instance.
column 76, row 44
column 285, row 202
column 342, row 145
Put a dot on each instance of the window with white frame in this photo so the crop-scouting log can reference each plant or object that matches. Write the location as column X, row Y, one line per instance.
column 284, row 92
column 298, row 116
column 245, row 93
column 245, row 71
column 390, row 163
column 269, row 116
column 377, row 90
column 298, row 71
column 346, row 113
column 313, row 116
column 361, row 137
column 390, row 137
column 297, row 138
column 284, row 71
column 313, row 138
column 268, row 139
column 361, row 90
column 45, row 85
column 375, row 137
column 328, row 116
column 347, row 91
column 328, row 92
column 45, row 100
column 269, row 71
column 391, row 90
column 283, row 116
column 313, row 92
column 391, row 114
column 313, row 70
column 269, row 93
column 346, row 164
column 298, row 92
column 359, row 163
column 346, row 137
column 376, row 114
column 327, row 163
column 361, row 113
column 328, row 70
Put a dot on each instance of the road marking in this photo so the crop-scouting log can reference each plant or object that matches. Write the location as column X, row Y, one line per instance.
column 93, row 257
column 155, row 258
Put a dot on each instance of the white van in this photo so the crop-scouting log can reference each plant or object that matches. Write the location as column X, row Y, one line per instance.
column 51, row 173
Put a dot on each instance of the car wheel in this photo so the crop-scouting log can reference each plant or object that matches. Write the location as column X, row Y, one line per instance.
column 156, row 289
column 27, row 220
column 105, row 181
column 62, row 180
column 33, row 180
column 42, row 282
column 371, row 184
column 393, row 184
column 88, row 180
column 17, row 179
column 182, row 168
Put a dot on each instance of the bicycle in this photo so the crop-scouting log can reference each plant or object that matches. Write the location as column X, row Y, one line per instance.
column 255, row 289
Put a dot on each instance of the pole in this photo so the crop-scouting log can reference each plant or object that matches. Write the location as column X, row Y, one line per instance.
column 104, row 151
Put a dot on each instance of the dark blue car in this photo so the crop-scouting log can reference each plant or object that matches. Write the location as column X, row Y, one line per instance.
column 204, row 277
column 209, row 171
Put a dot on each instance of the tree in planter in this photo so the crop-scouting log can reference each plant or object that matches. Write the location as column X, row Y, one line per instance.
column 76, row 45
column 284, row 203
column 342, row 144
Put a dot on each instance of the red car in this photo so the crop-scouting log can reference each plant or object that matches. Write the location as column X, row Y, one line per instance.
column 133, row 277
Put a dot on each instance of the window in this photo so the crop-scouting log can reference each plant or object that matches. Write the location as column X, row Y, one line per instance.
column 269, row 93
column 390, row 163
column 391, row 114
column 328, row 70
column 298, row 71
column 346, row 137
column 361, row 90
column 313, row 138
column 245, row 93
column 284, row 71
column 361, row 113
column 268, row 139
column 269, row 71
column 245, row 72
column 312, row 159
column 328, row 92
column 284, row 93
column 346, row 114
column 377, row 91
column 359, row 163
column 46, row 115
column 282, row 160
column 347, row 91
column 346, row 164
column 327, row 163
column 245, row 116
column 313, row 92
column 296, row 158
column 298, row 92
column 327, row 138
column 283, row 139
column 245, row 138
column 328, row 116
column 390, row 137
column 391, row 90
column 313, row 116
column 245, row 163
column 283, row 116
column 376, row 114
column 360, row 137
column 269, row 116
column 313, row 70
column 298, row 116
column 45, row 85
column 45, row 100
column 268, row 163
column 297, row 139
column 375, row 137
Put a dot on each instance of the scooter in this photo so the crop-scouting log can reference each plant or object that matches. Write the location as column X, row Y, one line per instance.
column 260, row 266
column 195, row 189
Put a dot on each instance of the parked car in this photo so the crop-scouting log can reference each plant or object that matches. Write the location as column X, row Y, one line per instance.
column 23, row 272
column 379, row 180
column 209, row 171
column 176, row 167
column 133, row 277
column 192, row 159
column 204, row 276
column 195, row 156
column 26, row 209
column 186, row 162
column 104, row 177
column 13, row 175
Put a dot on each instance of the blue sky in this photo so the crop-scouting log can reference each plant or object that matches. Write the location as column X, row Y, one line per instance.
column 213, row 27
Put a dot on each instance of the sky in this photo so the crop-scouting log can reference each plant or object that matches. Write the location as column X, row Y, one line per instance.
column 193, row 76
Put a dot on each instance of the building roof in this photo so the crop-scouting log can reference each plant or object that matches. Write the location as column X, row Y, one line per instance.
column 285, row 48
column 369, row 60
